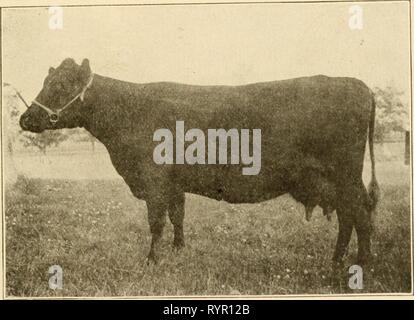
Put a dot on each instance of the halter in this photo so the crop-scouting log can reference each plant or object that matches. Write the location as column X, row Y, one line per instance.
column 54, row 114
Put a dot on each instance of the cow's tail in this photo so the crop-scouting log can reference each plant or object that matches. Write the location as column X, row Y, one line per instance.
column 373, row 187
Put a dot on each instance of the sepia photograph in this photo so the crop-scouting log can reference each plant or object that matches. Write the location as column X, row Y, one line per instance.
column 206, row 150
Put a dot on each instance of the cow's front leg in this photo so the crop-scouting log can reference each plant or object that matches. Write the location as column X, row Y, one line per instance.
column 156, row 217
column 176, row 213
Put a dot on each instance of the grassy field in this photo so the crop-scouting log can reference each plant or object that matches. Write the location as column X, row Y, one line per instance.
column 98, row 233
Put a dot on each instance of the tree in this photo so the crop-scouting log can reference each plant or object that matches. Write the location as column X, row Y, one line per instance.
column 11, row 119
column 392, row 115
column 82, row 135
column 11, row 131
column 43, row 140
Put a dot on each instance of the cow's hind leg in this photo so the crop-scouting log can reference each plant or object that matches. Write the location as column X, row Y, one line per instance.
column 364, row 225
column 345, row 225
column 352, row 212
column 353, row 201
column 156, row 218
column 176, row 214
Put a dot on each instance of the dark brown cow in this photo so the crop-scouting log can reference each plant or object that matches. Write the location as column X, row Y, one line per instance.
column 319, row 117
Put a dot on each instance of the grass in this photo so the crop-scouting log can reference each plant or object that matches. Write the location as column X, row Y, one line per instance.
column 98, row 233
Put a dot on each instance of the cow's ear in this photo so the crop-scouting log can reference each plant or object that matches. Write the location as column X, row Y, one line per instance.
column 85, row 70
column 51, row 70
column 85, row 63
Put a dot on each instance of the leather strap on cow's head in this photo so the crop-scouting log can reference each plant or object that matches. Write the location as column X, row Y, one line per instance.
column 54, row 114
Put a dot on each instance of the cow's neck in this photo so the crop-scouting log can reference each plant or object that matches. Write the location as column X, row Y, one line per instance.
column 106, row 111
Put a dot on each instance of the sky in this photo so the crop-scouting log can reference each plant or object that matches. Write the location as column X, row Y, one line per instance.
column 211, row 44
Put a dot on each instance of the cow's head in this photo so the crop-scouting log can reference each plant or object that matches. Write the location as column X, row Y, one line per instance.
column 60, row 87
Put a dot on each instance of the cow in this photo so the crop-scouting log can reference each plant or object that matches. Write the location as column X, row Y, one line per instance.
column 325, row 118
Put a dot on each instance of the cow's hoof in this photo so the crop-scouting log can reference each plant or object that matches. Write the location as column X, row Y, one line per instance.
column 365, row 260
column 337, row 273
column 152, row 259
column 178, row 245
